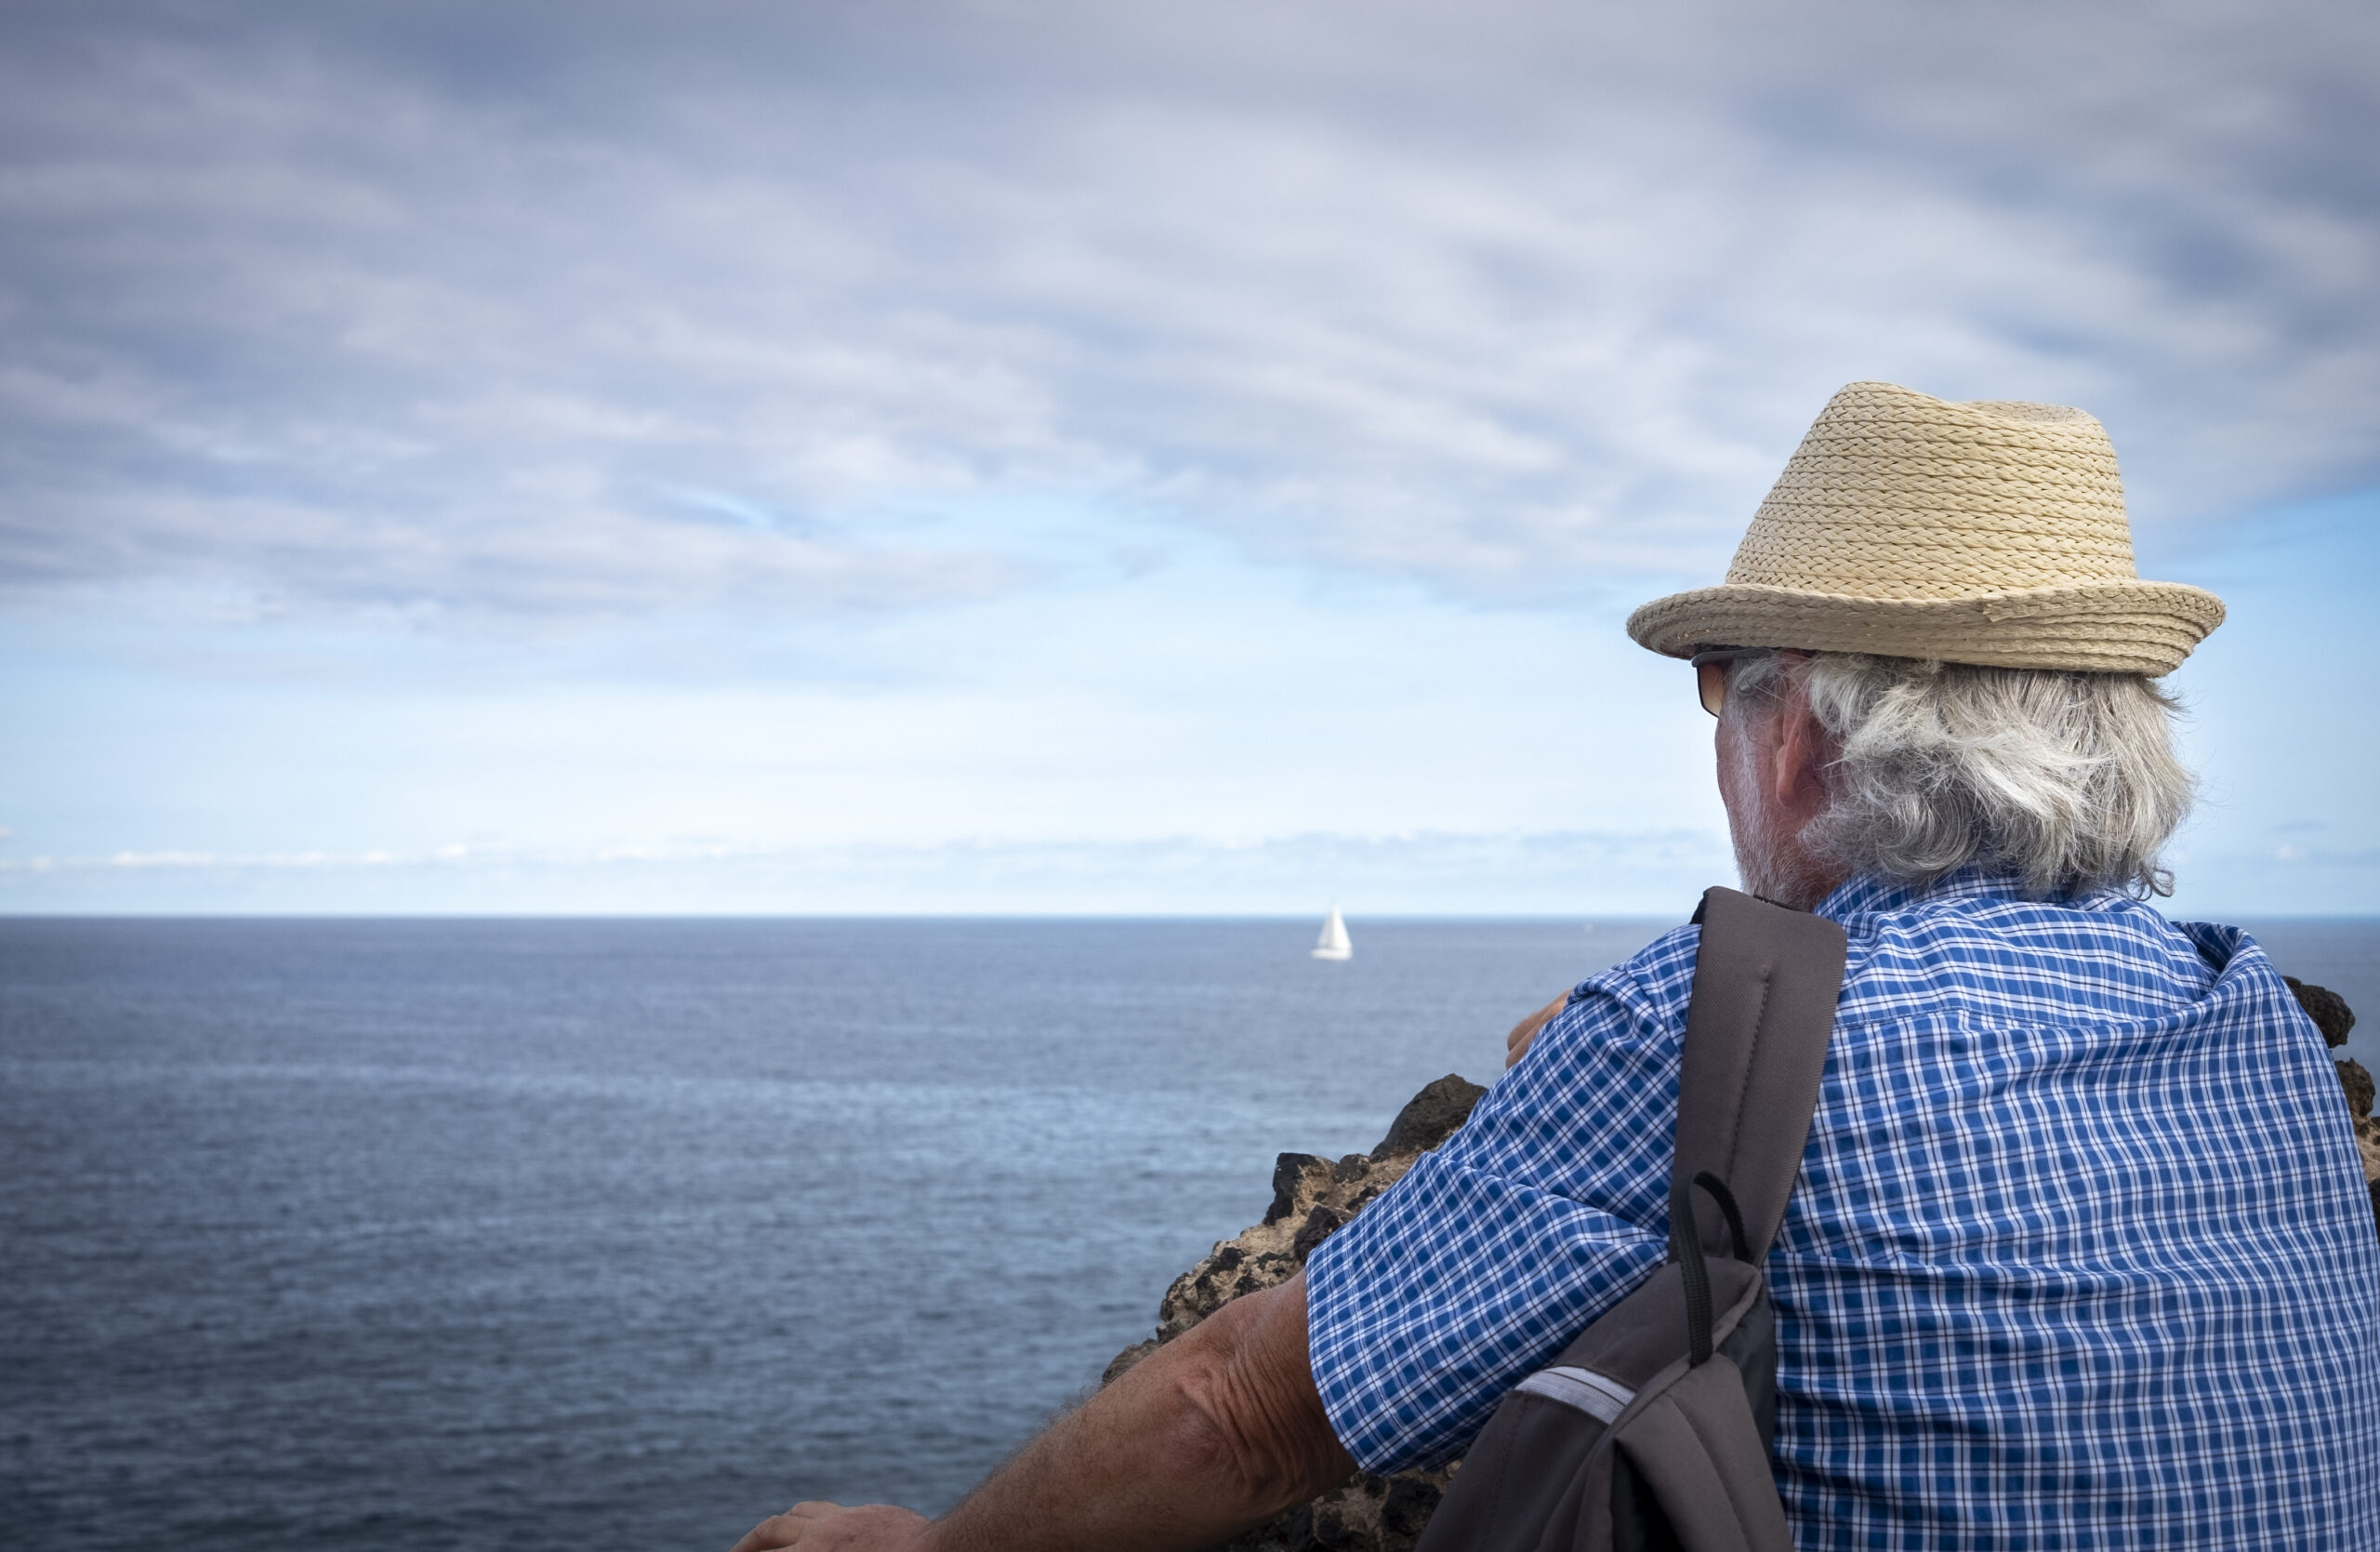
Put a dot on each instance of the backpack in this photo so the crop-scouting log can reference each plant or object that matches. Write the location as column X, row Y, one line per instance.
column 1651, row 1431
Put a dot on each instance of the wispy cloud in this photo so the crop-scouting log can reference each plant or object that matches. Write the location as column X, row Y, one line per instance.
column 449, row 307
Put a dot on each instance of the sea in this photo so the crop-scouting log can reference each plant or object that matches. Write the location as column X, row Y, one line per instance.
column 440, row 1233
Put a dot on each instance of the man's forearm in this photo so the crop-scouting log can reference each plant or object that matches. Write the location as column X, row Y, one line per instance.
column 1216, row 1431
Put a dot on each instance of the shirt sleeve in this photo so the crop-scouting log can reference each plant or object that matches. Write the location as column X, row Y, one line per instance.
column 1499, row 1247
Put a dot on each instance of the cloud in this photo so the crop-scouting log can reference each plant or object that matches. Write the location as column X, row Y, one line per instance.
column 453, row 307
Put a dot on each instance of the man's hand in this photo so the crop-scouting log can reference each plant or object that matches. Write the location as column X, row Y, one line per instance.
column 1516, row 1043
column 832, row 1528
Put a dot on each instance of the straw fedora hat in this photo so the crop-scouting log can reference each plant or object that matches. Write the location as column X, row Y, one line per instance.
column 1912, row 526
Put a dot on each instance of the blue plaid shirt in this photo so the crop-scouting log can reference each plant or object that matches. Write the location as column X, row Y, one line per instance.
column 2081, row 1256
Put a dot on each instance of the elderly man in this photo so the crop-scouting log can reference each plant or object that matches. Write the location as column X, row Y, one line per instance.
column 2079, row 1254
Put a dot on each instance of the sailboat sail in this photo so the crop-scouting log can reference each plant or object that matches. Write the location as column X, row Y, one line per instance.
column 1334, row 943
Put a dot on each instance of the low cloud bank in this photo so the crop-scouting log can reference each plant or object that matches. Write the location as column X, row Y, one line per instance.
column 1561, row 873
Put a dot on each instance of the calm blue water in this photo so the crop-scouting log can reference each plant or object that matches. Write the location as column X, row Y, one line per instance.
column 497, row 1234
column 539, row 1234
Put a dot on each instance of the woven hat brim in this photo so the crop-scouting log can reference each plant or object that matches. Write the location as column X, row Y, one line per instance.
column 2111, row 627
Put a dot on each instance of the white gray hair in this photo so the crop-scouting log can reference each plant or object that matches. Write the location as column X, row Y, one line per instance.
column 2067, row 780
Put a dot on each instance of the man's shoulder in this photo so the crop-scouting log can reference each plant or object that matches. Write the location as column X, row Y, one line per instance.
column 1652, row 982
column 1983, row 947
column 1967, row 945
column 1636, row 1006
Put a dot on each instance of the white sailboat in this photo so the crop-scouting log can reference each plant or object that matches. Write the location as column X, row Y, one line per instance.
column 1334, row 944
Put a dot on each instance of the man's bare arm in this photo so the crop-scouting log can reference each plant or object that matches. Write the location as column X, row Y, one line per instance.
column 1215, row 1431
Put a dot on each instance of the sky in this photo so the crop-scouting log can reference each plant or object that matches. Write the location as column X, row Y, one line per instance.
column 1068, row 457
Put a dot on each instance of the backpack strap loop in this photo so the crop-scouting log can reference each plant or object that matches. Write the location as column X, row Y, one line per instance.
column 1740, row 1241
column 1691, row 1269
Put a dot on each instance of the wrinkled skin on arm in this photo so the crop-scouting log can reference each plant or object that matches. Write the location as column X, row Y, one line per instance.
column 1216, row 1431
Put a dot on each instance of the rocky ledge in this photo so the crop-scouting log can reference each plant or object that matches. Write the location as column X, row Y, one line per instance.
column 1313, row 1196
column 2336, row 1020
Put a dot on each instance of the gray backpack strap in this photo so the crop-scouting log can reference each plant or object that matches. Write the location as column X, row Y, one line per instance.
column 1650, row 1431
column 1765, row 981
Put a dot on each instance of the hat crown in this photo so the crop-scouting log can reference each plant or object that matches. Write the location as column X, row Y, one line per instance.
column 1911, row 527
column 1897, row 495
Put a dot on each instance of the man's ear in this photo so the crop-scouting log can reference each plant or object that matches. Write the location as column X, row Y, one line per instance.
column 1798, row 759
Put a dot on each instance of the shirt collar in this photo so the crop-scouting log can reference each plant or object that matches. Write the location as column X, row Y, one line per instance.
column 1873, row 895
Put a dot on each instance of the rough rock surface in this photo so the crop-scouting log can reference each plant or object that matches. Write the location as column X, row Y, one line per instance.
column 2357, row 1084
column 2336, row 1020
column 2327, row 1009
column 1313, row 1196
